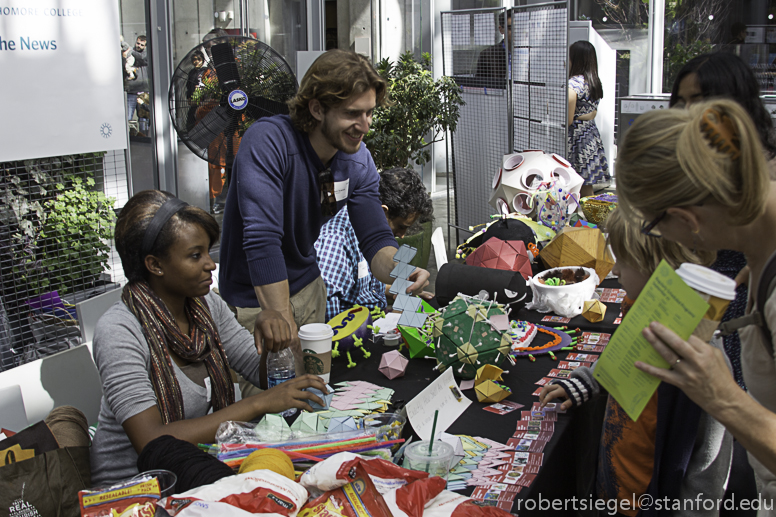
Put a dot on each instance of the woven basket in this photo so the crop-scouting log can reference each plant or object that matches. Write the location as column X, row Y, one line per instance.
column 597, row 210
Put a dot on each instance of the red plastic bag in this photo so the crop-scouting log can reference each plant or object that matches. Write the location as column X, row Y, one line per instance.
column 357, row 498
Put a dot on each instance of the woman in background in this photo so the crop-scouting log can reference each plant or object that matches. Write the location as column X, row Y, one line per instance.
column 585, row 91
column 721, row 74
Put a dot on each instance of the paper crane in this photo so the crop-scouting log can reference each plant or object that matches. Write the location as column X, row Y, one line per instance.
column 491, row 392
column 498, row 254
column 393, row 364
column 593, row 311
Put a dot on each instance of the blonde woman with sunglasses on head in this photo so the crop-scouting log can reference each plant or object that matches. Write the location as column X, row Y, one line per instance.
column 699, row 177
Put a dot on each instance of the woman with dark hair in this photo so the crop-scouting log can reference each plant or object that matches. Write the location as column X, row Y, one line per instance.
column 164, row 351
column 585, row 91
column 721, row 74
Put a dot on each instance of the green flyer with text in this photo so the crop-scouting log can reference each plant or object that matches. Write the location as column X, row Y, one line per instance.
column 665, row 299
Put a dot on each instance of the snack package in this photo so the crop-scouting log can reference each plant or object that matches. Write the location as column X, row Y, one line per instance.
column 258, row 491
column 334, row 473
column 397, row 491
column 358, row 497
column 128, row 499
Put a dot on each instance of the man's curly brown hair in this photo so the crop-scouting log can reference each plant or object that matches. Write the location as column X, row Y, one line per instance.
column 333, row 78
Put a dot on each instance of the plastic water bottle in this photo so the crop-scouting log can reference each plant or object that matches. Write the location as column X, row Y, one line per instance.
column 281, row 368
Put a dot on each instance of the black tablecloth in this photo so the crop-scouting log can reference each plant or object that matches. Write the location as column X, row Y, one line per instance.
column 569, row 457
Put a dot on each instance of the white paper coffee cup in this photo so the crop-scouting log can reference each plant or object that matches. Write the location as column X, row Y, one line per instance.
column 715, row 288
column 315, row 339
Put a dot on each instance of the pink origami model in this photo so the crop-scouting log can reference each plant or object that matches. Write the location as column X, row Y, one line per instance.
column 393, row 364
column 497, row 254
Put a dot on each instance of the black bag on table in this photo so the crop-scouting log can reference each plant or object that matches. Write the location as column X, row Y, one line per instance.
column 47, row 484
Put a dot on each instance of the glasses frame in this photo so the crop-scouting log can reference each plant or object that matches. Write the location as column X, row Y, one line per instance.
column 647, row 228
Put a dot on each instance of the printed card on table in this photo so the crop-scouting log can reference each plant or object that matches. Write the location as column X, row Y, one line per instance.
column 541, row 416
column 573, row 365
column 532, row 425
column 608, row 295
column 543, row 381
column 555, row 319
column 559, row 374
column 590, row 348
column 526, row 469
column 503, row 407
column 595, row 338
column 590, row 358
column 543, row 436
column 529, row 458
column 551, row 406
column 538, row 391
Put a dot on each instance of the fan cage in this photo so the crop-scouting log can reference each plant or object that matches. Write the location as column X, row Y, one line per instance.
column 198, row 96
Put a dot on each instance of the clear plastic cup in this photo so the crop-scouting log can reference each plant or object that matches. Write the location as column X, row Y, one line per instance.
column 435, row 461
column 165, row 478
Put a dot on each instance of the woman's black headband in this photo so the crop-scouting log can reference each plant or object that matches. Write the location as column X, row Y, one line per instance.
column 170, row 207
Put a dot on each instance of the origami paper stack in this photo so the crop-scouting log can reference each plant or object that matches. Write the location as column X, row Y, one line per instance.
column 309, row 422
column 326, row 398
column 342, row 424
column 466, row 340
column 393, row 364
column 498, row 254
column 593, row 311
column 584, row 247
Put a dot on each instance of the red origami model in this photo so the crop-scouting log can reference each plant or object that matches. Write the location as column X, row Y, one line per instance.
column 497, row 254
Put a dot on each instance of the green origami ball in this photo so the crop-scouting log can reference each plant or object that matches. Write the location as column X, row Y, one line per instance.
column 467, row 341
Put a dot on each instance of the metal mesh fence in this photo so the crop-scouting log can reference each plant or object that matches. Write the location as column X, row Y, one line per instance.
column 475, row 55
column 56, row 248
column 539, row 84
column 512, row 69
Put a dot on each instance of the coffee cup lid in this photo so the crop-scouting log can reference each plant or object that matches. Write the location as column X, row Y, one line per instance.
column 707, row 281
column 313, row 331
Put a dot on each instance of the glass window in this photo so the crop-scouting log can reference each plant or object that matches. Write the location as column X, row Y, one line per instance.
column 138, row 87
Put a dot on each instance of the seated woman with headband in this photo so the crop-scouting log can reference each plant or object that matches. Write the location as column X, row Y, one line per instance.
column 699, row 177
column 164, row 351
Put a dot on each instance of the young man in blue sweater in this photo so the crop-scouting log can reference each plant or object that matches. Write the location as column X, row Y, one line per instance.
column 291, row 174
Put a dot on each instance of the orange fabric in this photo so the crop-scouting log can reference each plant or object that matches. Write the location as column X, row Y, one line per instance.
column 216, row 151
column 628, row 449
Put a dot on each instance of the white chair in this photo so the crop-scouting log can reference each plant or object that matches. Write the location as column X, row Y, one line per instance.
column 440, row 250
column 68, row 378
column 91, row 310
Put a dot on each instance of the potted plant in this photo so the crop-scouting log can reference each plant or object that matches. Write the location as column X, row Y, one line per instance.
column 420, row 112
column 54, row 236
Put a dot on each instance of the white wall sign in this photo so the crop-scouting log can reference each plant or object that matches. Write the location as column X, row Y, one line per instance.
column 62, row 86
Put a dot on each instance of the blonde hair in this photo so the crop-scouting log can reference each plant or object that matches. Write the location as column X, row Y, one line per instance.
column 670, row 159
column 643, row 252
column 332, row 79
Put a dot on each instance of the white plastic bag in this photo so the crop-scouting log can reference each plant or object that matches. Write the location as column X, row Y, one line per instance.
column 563, row 300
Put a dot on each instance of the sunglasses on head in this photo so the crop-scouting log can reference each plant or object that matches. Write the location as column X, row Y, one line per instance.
column 328, row 200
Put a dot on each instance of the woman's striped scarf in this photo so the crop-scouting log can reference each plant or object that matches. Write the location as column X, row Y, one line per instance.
column 202, row 344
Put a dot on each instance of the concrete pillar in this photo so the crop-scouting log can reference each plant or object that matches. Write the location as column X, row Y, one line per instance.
column 354, row 20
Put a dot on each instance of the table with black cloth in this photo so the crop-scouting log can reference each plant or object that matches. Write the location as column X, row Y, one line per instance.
column 571, row 454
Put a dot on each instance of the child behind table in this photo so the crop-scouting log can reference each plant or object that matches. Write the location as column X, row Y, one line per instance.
column 673, row 435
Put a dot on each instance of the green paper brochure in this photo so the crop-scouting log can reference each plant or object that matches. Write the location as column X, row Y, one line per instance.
column 666, row 299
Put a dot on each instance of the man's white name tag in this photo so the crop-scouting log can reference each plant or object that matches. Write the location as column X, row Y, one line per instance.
column 363, row 269
column 341, row 189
